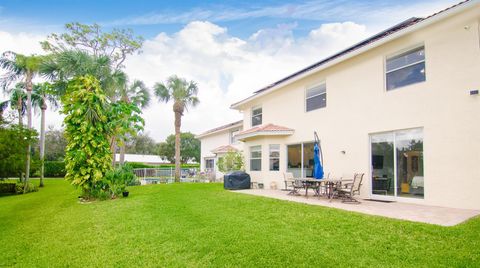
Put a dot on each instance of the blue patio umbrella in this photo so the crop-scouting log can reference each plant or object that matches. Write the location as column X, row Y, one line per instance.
column 317, row 167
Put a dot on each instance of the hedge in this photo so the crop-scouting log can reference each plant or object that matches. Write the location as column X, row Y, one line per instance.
column 12, row 187
column 54, row 169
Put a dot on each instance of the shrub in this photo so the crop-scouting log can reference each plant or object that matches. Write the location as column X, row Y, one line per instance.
column 16, row 187
column 118, row 180
column 231, row 161
column 19, row 189
column 7, row 187
column 55, row 169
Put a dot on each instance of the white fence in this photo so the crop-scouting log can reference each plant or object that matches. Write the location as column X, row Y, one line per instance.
column 167, row 175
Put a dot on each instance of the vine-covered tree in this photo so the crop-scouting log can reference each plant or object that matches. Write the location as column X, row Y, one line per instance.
column 88, row 156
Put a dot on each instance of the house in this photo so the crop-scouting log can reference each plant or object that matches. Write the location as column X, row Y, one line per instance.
column 401, row 106
column 217, row 142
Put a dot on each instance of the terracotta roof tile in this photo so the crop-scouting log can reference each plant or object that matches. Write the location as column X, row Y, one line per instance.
column 265, row 128
column 224, row 149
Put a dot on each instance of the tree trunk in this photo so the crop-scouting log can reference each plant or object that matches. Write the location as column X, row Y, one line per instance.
column 19, row 109
column 122, row 154
column 177, row 109
column 20, row 119
column 113, row 149
column 29, row 118
column 42, row 142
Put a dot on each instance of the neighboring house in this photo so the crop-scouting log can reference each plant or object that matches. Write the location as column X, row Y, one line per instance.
column 142, row 158
column 215, row 143
column 401, row 107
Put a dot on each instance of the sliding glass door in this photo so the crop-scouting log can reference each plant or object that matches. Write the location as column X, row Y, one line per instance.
column 300, row 160
column 397, row 163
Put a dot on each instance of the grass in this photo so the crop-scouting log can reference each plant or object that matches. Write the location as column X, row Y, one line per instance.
column 197, row 225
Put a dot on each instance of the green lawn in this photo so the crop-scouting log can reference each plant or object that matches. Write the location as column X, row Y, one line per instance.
column 195, row 225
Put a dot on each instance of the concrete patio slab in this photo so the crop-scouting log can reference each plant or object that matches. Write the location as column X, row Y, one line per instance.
column 396, row 210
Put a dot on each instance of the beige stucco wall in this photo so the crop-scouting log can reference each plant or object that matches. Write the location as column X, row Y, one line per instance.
column 215, row 140
column 358, row 105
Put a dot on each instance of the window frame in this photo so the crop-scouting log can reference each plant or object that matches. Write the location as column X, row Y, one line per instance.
column 261, row 115
column 256, row 158
column 270, row 158
column 324, row 82
column 233, row 139
column 213, row 163
column 404, row 52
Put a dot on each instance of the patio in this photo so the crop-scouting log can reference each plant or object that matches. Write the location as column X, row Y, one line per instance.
column 396, row 210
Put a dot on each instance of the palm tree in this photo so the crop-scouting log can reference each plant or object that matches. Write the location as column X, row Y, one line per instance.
column 16, row 101
column 184, row 95
column 42, row 93
column 136, row 93
column 19, row 66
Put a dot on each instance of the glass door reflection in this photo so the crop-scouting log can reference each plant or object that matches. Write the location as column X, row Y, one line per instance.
column 383, row 164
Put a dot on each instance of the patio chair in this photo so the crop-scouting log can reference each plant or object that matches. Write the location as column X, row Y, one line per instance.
column 289, row 180
column 350, row 189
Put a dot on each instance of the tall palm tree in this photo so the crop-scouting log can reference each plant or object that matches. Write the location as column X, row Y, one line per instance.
column 183, row 94
column 43, row 94
column 136, row 93
column 18, row 67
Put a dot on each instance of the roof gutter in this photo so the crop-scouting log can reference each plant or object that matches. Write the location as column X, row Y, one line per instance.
column 239, row 124
column 410, row 29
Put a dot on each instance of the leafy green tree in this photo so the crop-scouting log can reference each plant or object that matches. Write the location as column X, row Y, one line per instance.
column 231, row 161
column 189, row 146
column 55, row 144
column 184, row 95
column 141, row 144
column 116, row 45
column 13, row 141
column 18, row 66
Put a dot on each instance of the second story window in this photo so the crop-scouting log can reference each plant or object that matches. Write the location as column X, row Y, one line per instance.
column 256, row 116
column 405, row 69
column 316, row 97
column 233, row 139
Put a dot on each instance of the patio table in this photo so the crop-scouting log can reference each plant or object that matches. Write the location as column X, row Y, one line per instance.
column 329, row 185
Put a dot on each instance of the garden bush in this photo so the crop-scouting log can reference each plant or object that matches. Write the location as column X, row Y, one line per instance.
column 54, row 169
column 16, row 187
column 7, row 187
column 118, row 179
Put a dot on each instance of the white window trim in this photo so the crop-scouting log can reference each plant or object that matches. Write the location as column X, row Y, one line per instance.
column 305, row 95
column 270, row 157
column 251, row 115
column 397, row 53
column 255, row 158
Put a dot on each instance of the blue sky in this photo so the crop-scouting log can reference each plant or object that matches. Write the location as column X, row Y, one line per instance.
column 242, row 18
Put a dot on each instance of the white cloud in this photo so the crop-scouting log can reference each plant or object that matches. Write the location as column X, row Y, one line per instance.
column 227, row 68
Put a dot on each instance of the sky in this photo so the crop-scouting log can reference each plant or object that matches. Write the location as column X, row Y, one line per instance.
column 230, row 48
